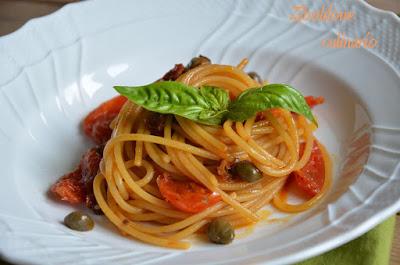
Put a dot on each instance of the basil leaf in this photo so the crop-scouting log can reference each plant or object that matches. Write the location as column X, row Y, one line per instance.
column 253, row 100
column 206, row 105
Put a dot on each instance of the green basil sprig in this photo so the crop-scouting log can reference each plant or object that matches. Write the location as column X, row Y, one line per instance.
column 211, row 105
column 253, row 100
column 206, row 105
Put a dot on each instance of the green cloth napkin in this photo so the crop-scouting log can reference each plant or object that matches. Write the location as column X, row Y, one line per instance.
column 372, row 248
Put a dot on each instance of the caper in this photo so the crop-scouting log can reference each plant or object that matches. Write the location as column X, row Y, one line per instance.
column 220, row 232
column 256, row 77
column 197, row 61
column 245, row 170
column 79, row 221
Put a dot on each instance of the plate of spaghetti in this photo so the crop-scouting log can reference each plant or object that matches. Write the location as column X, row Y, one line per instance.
column 238, row 140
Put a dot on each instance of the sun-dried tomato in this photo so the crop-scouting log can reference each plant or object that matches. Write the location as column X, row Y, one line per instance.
column 69, row 188
column 174, row 73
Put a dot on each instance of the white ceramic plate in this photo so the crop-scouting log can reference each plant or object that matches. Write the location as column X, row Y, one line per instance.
column 57, row 68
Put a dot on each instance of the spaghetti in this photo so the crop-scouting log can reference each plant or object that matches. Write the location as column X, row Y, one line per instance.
column 137, row 165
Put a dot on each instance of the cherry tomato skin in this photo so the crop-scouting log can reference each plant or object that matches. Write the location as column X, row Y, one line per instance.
column 96, row 125
column 186, row 196
column 311, row 177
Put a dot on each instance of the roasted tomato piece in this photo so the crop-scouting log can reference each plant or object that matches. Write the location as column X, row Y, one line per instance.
column 90, row 166
column 314, row 101
column 311, row 177
column 97, row 124
column 186, row 196
column 174, row 73
column 77, row 186
column 69, row 188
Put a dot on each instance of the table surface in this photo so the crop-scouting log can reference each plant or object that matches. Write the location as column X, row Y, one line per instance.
column 14, row 13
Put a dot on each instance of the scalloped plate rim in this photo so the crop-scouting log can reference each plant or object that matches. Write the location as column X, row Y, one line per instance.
column 312, row 251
